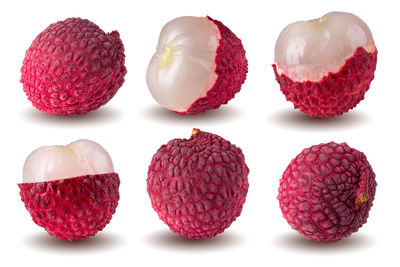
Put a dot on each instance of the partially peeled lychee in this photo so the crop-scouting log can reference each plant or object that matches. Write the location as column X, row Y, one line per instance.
column 325, row 66
column 71, row 191
column 199, row 65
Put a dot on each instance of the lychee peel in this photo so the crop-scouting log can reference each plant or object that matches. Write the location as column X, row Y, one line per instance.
column 198, row 186
column 73, row 208
column 336, row 93
column 231, row 68
column 326, row 192
column 73, row 67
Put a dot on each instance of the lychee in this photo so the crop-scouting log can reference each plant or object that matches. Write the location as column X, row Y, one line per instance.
column 71, row 191
column 198, row 186
column 199, row 65
column 327, row 191
column 73, row 67
column 325, row 66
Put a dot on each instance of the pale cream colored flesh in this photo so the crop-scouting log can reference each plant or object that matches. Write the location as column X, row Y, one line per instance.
column 309, row 50
column 182, row 69
column 82, row 157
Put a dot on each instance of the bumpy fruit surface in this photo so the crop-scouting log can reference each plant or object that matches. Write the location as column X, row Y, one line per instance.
column 74, row 208
column 326, row 192
column 199, row 65
column 198, row 186
column 71, row 191
column 325, row 66
column 73, row 67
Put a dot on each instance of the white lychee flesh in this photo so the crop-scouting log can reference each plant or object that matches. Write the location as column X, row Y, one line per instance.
column 82, row 157
column 183, row 68
column 309, row 50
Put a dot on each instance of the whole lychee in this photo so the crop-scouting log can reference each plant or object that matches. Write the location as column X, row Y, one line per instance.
column 198, row 186
column 71, row 191
column 73, row 67
column 327, row 191
column 325, row 66
column 199, row 65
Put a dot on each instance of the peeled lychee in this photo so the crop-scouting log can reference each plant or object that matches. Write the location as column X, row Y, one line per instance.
column 199, row 65
column 198, row 186
column 71, row 191
column 327, row 191
column 73, row 67
column 325, row 66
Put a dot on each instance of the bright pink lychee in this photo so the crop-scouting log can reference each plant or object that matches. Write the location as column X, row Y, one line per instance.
column 199, row 65
column 71, row 191
column 326, row 192
column 325, row 66
column 198, row 186
column 73, row 67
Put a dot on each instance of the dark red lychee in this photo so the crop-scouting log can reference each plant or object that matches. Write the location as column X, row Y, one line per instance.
column 73, row 67
column 326, row 192
column 198, row 186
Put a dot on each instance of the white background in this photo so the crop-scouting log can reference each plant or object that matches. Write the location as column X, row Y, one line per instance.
column 259, row 120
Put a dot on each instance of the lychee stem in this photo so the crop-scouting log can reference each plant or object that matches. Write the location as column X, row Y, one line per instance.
column 362, row 192
column 166, row 56
column 361, row 199
column 195, row 131
column 115, row 32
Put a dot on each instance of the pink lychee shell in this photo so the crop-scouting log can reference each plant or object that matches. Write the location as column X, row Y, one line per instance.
column 335, row 93
column 73, row 208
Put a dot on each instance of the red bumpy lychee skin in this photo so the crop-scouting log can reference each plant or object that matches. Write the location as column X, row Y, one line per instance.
column 73, row 67
column 336, row 93
column 327, row 191
column 73, row 208
column 198, row 186
column 231, row 68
